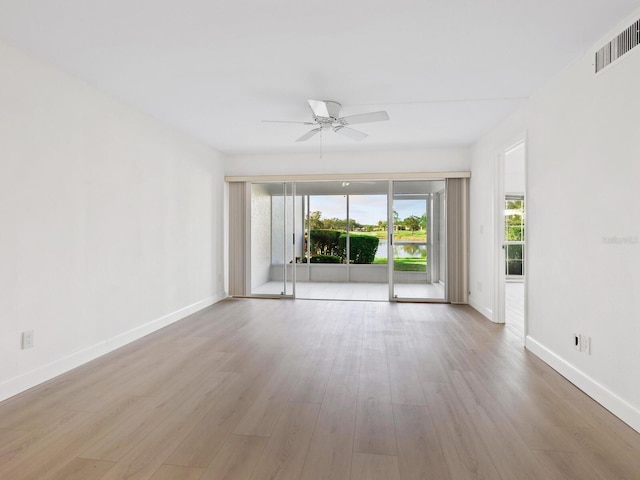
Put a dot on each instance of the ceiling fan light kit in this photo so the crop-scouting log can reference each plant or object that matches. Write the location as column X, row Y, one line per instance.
column 326, row 116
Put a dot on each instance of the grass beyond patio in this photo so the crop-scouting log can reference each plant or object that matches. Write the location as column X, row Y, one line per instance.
column 411, row 264
column 402, row 235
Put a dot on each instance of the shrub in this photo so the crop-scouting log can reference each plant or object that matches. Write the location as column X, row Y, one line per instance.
column 333, row 243
column 324, row 242
column 362, row 248
column 325, row 259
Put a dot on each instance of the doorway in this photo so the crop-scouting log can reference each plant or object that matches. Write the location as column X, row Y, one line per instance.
column 513, row 239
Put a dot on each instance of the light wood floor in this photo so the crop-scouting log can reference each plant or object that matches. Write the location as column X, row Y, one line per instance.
column 277, row 389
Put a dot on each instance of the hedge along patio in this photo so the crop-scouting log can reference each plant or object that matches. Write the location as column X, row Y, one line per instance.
column 330, row 246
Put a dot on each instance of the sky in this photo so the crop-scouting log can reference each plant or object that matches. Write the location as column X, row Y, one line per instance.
column 364, row 209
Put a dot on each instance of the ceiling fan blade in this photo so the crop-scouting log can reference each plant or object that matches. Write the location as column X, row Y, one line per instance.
column 319, row 108
column 309, row 134
column 351, row 133
column 287, row 121
column 365, row 118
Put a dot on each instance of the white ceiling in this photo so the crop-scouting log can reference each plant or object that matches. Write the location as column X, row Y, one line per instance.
column 447, row 71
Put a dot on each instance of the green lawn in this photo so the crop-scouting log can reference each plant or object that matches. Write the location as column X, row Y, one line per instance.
column 405, row 264
column 406, row 235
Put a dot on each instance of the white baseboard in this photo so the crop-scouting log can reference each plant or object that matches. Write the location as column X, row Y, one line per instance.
column 605, row 397
column 487, row 312
column 62, row 365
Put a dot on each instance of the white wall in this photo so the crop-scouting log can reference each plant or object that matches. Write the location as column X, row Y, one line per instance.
column 111, row 223
column 583, row 224
column 432, row 160
column 260, row 235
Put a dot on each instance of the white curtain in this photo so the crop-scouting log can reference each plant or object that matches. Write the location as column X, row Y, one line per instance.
column 458, row 239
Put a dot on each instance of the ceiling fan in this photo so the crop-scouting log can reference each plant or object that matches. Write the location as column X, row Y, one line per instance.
column 326, row 116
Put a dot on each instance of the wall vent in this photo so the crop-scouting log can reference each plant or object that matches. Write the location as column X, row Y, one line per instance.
column 618, row 46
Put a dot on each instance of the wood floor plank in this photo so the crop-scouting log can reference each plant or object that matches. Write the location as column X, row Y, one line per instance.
column 567, row 466
column 115, row 444
column 22, row 446
column 312, row 382
column 348, row 357
column 202, row 443
column 34, row 414
column 236, row 459
column 462, row 446
column 607, row 455
column 403, row 377
column 374, row 380
column 184, row 412
column 177, row 472
column 375, row 430
column 544, row 436
column 510, row 455
column 374, row 467
column 430, row 360
column 605, row 421
column 9, row 439
column 124, row 375
column 64, row 442
column 263, row 414
column 329, row 455
column 405, row 384
column 419, row 453
column 82, row 469
column 284, row 455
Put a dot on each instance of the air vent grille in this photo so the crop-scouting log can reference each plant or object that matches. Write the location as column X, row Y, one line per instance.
column 618, row 46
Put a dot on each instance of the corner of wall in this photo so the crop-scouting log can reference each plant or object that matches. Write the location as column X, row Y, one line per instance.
column 600, row 393
column 67, row 363
column 485, row 311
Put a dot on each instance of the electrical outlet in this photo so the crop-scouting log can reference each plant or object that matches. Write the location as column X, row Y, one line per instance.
column 27, row 339
column 577, row 341
column 586, row 345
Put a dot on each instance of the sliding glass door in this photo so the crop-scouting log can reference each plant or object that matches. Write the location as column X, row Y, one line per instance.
column 345, row 252
column 363, row 240
column 417, row 246
column 274, row 231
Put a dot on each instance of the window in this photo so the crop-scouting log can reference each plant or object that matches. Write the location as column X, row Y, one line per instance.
column 514, row 235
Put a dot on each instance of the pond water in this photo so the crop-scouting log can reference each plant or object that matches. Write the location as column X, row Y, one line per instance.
column 402, row 251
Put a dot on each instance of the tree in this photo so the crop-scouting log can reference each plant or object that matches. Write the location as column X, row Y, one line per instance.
column 412, row 222
column 354, row 225
column 382, row 225
column 397, row 223
column 514, row 220
column 315, row 221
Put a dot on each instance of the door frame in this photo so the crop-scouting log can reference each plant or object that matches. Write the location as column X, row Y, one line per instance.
column 500, row 276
